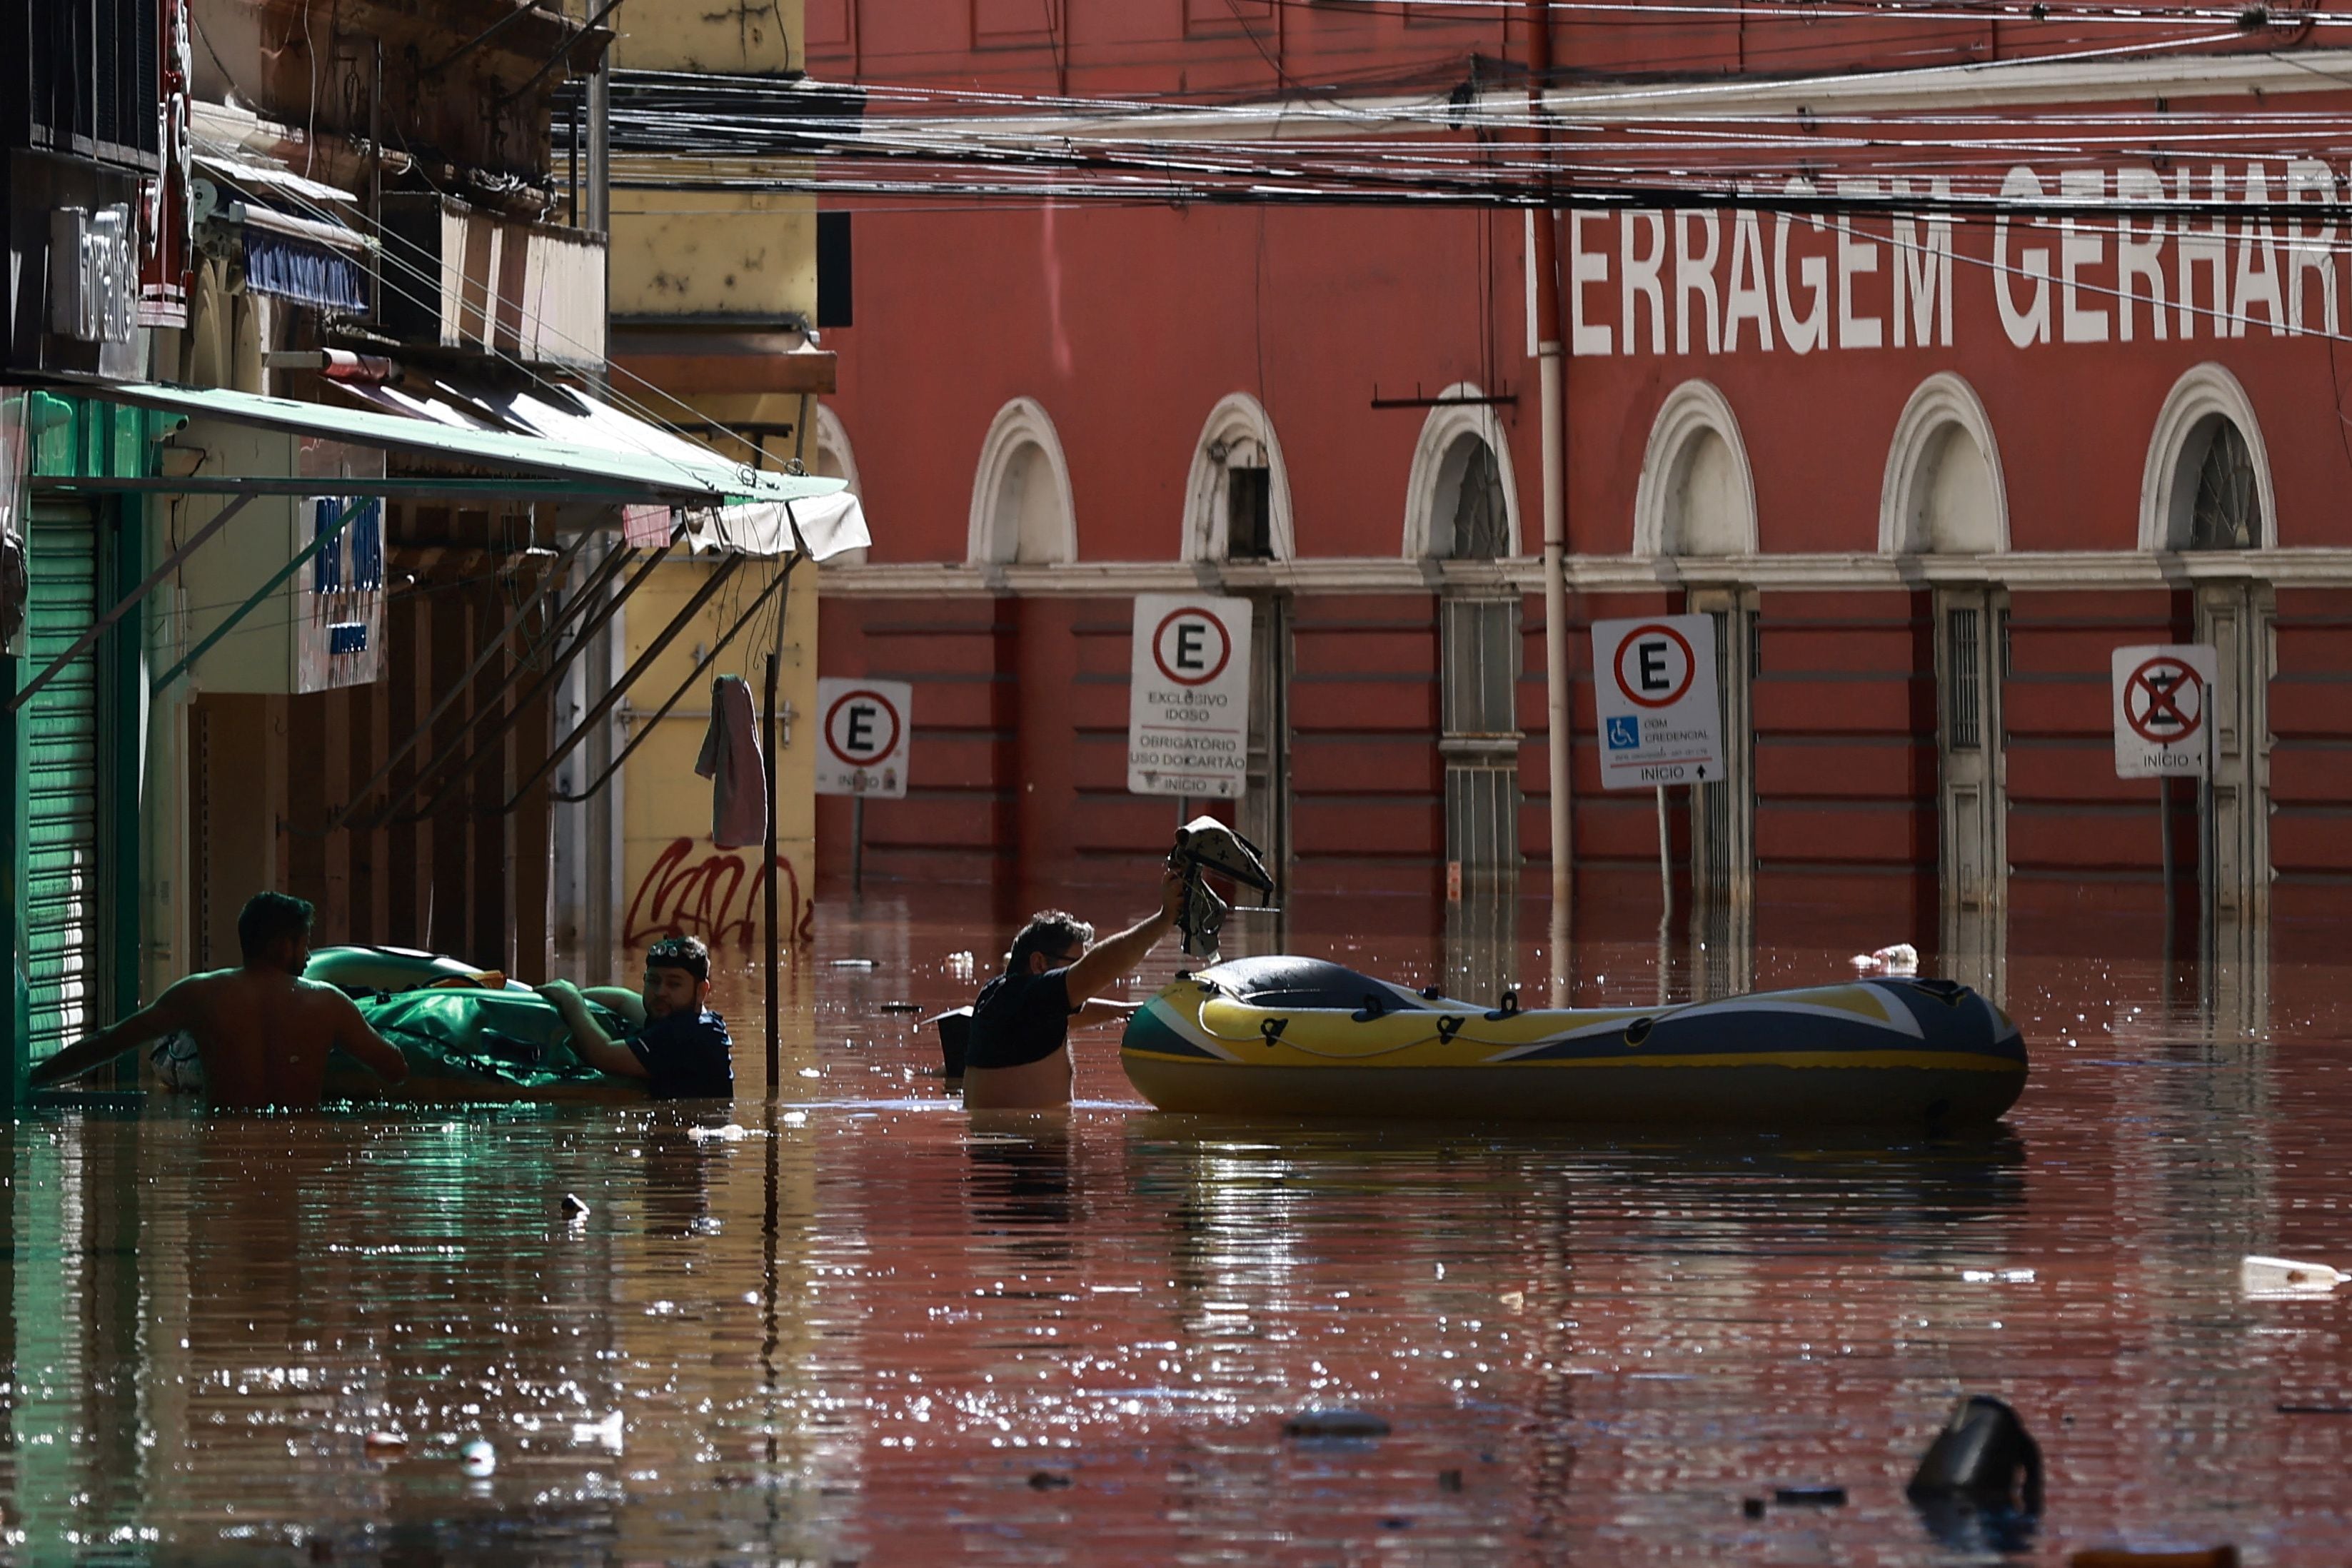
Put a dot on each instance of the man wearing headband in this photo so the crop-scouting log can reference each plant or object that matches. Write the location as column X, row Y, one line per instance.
column 680, row 1046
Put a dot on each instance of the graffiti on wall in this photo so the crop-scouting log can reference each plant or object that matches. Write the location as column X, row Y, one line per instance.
column 695, row 889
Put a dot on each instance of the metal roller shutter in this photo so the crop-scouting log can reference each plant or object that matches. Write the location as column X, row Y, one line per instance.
column 61, row 897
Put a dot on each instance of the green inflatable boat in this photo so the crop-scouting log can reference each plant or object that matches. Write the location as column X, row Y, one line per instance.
column 469, row 1034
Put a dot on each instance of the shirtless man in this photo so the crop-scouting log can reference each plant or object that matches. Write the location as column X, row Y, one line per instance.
column 1018, row 1054
column 262, row 1032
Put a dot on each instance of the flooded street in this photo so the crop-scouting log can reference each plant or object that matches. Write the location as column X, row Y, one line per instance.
column 868, row 1330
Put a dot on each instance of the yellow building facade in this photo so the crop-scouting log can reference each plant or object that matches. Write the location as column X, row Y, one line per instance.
column 712, row 295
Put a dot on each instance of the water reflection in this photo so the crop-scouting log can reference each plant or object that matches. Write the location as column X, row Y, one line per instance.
column 871, row 1330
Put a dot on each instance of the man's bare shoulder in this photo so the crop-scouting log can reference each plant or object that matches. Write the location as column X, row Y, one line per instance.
column 212, row 983
column 319, row 994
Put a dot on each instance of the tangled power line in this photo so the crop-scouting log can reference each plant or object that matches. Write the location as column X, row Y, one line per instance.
column 1628, row 140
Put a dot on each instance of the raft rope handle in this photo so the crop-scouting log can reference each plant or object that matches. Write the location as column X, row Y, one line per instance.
column 1639, row 1029
column 1509, row 1007
column 1269, row 1030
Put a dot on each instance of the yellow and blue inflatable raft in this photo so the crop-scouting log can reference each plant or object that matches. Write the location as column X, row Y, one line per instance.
column 1301, row 1036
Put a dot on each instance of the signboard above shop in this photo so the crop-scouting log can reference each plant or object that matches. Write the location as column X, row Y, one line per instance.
column 1188, row 708
column 323, row 627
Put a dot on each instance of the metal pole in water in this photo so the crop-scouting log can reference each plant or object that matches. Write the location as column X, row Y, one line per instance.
column 775, row 936
column 2164, row 829
column 857, row 844
column 2209, row 865
column 1665, row 864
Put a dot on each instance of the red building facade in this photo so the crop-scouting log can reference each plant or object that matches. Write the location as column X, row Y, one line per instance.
column 1928, row 470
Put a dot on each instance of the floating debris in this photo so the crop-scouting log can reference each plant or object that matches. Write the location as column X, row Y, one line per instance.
column 1808, row 1497
column 574, row 1206
column 901, row 1007
column 477, row 1457
column 1752, row 1507
column 852, row 964
column 2287, row 1277
column 1047, row 1480
column 1449, row 1480
column 385, row 1443
column 604, row 1434
column 1983, row 1457
column 1337, row 1422
column 1901, row 958
column 1998, row 1276
column 733, row 1132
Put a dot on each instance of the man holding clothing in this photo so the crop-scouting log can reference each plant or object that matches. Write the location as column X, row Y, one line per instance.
column 1019, row 1055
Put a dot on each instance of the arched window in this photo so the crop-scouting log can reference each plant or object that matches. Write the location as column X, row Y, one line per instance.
column 1696, row 495
column 2207, row 484
column 1460, row 498
column 1021, row 506
column 1943, row 494
column 1237, row 495
column 2227, row 511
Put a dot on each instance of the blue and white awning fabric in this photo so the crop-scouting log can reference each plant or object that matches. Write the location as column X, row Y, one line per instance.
column 304, row 272
column 287, row 232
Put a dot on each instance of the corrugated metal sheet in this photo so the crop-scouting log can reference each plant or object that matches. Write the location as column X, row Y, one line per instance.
column 61, row 897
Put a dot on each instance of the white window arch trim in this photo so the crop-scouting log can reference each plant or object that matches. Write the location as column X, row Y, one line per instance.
column 1455, row 415
column 1019, row 425
column 1237, row 418
column 1940, row 402
column 2166, row 493
column 1695, row 408
column 831, row 440
column 832, row 437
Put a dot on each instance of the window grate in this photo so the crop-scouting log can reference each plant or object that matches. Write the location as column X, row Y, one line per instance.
column 1964, row 678
column 1482, row 816
column 1482, row 665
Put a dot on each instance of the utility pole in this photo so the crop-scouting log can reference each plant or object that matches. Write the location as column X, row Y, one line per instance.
column 1552, row 371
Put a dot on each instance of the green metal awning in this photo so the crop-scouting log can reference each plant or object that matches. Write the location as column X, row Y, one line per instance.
column 671, row 471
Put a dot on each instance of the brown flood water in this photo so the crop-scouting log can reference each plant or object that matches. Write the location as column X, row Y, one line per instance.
column 866, row 1331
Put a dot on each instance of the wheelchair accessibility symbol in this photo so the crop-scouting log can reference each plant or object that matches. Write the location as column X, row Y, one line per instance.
column 1625, row 732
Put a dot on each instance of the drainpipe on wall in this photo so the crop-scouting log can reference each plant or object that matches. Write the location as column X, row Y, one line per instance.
column 1550, row 368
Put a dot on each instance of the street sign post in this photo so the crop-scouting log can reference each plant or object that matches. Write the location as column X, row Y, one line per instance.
column 1654, row 685
column 863, row 728
column 2163, row 693
column 1188, row 706
column 1661, row 719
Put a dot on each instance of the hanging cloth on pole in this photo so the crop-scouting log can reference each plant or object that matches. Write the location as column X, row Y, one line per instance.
column 730, row 759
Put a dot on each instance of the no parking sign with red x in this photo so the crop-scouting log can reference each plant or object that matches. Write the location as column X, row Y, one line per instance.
column 2164, row 699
